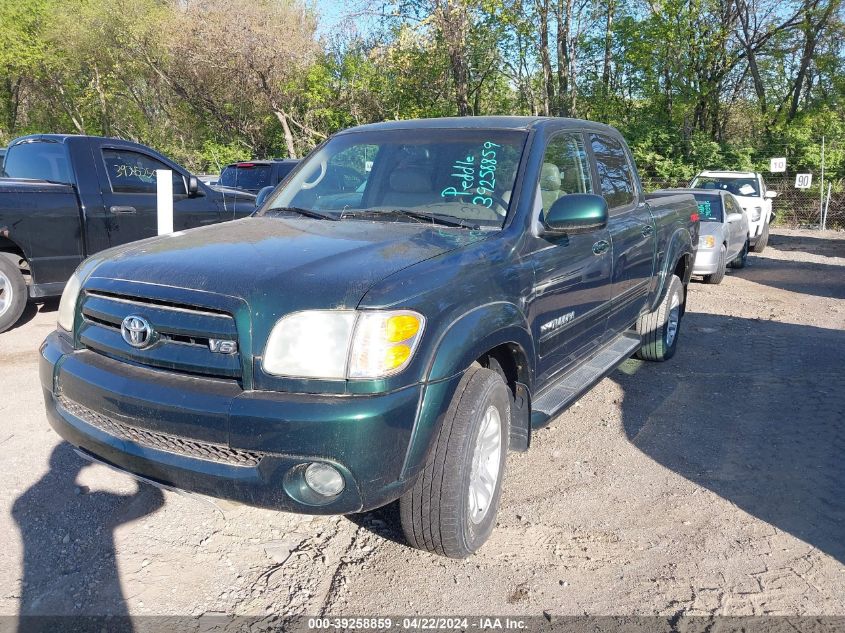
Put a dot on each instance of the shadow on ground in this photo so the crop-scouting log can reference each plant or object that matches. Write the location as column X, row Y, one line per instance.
column 32, row 308
column 808, row 243
column 809, row 278
column 69, row 565
column 754, row 411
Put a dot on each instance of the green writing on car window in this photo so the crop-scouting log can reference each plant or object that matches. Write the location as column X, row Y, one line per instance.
column 476, row 179
column 704, row 209
column 134, row 171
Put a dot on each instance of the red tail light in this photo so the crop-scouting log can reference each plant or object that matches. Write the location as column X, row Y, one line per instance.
column 694, row 217
column 247, row 165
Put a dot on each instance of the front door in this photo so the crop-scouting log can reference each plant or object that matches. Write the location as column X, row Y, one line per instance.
column 631, row 229
column 571, row 293
column 129, row 197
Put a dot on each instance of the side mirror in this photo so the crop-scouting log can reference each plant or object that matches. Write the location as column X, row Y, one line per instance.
column 770, row 194
column 262, row 196
column 734, row 217
column 576, row 213
column 193, row 186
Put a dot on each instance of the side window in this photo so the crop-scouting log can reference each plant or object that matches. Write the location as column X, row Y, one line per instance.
column 133, row 172
column 615, row 177
column 565, row 169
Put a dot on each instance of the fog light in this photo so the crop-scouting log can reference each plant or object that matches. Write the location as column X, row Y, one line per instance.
column 324, row 479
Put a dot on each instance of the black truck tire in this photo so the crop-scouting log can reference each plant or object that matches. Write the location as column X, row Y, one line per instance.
column 443, row 512
column 660, row 329
column 719, row 275
column 13, row 294
column 762, row 241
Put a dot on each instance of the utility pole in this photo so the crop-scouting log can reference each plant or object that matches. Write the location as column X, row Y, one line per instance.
column 821, row 199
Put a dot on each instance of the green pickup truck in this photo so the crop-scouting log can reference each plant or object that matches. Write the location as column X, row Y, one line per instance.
column 350, row 346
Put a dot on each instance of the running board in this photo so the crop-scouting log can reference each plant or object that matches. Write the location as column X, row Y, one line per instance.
column 572, row 385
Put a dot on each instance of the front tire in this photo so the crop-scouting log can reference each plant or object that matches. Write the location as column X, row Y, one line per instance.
column 719, row 275
column 660, row 329
column 762, row 241
column 451, row 509
column 742, row 258
column 12, row 293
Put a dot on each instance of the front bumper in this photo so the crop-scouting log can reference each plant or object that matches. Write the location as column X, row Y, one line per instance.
column 706, row 261
column 208, row 436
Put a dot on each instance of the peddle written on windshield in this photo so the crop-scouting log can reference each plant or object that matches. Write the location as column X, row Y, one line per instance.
column 476, row 179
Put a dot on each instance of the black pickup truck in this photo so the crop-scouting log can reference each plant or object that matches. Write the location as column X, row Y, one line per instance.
column 382, row 344
column 65, row 197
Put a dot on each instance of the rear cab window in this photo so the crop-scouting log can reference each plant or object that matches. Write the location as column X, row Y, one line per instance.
column 616, row 176
column 38, row 160
column 134, row 172
column 251, row 176
column 709, row 207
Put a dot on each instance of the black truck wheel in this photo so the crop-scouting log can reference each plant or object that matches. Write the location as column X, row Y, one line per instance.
column 659, row 329
column 719, row 275
column 760, row 244
column 451, row 509
column 12, row 292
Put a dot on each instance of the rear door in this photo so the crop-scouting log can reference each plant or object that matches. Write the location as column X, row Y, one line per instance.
column 631, row 228
column 128, row 181
column 568, row 304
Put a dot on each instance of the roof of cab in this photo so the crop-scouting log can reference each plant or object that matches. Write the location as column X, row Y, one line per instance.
column 478, row 122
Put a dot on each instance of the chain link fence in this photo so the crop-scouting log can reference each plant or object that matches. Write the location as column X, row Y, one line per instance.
column 792, row 207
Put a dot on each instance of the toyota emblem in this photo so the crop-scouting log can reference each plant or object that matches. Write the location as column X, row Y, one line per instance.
column 136, row 331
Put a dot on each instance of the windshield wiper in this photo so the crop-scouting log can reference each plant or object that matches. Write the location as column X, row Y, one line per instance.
column 433, row 218
column 308, row 213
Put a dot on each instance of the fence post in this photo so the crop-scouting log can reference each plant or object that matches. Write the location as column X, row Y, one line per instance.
column 164, row 200
column 826, row 206
column 821, row 198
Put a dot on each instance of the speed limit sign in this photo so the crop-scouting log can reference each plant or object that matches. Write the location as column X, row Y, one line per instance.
column 803, row 181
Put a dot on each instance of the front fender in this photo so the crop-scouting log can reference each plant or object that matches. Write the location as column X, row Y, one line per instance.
column 476, row 332
column 461, row 342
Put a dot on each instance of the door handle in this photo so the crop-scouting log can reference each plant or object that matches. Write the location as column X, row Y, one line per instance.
column 122, row 210
column 648, row 229
column 600, row 247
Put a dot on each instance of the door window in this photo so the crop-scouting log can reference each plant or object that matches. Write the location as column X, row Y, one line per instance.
column 565, row 169
column 133, row 172
column 615, row 176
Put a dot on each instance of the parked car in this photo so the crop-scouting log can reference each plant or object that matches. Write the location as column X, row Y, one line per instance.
column 723, row 238
column 254, row 175
column 493, row 271
column 753, row 196
column 65, row 197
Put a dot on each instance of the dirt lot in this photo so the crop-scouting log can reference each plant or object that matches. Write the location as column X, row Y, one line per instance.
column 714, row 483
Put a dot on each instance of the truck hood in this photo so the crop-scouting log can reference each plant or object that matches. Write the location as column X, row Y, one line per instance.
column 281, row 265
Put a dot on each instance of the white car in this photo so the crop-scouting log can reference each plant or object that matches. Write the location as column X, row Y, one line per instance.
column 750, row 189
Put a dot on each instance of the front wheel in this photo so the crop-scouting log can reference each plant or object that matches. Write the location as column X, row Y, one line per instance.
column 659, row 329
column 742, row 258
column 719, row 275
column 451, row 509
column 12, row 293
column 760, row 244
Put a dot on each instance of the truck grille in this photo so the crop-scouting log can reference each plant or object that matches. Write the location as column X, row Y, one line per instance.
column 161, row 441
column 181, row 334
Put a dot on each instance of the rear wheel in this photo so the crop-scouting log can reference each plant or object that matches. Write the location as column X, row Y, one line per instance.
column 12, row 292
column 451, row 509
column 659, row 329
column 742, row 258
column 719, row 275
column 761, row 242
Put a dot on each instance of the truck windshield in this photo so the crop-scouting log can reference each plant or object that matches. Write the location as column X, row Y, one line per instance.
column 38, row 160
column 737, row 186
column 453, row 177
column 709, row 207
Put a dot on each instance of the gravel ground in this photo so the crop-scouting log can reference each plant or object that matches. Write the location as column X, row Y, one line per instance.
column 711, row 484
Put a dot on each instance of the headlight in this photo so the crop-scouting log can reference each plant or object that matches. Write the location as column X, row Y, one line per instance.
column 67, row 304
column 756, row 213
column 706, row 241
column 339, row 344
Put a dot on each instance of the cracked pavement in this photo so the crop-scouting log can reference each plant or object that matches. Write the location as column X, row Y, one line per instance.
column 711, row 484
